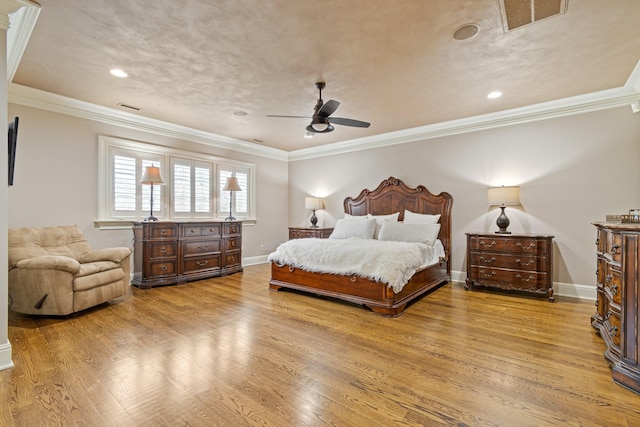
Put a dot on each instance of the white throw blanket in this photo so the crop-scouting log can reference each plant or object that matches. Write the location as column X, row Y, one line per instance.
column 383, row 261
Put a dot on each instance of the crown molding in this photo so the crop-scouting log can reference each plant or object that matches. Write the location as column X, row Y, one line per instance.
column 611, row 98
column 35, row 98
column 22, row 23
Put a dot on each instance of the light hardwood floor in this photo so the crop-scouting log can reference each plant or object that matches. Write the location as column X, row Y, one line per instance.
column 229, row 352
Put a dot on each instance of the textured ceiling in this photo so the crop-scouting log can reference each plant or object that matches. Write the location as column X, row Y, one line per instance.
column 392, row 63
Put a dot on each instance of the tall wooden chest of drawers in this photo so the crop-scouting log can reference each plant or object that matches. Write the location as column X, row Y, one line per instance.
column 617, row 317
column 520, row 262
column 166, row 253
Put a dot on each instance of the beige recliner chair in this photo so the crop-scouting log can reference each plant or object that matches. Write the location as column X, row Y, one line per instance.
column 54, row 271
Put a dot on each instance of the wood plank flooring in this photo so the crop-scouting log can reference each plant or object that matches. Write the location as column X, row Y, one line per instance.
column 229, row 352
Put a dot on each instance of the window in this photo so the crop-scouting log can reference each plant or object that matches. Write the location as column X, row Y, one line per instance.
column 193, row 183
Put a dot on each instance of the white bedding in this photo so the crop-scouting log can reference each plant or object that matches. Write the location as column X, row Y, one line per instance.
column 384, row 261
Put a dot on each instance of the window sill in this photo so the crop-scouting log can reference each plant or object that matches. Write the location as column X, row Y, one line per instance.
column 120, row 224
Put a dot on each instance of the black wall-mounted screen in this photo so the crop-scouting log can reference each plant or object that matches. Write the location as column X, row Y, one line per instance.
column 13, row 139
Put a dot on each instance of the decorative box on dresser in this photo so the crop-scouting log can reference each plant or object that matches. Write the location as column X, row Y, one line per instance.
column 617, row 317
column 520, row 262
column 167, row 253
column 303, row 232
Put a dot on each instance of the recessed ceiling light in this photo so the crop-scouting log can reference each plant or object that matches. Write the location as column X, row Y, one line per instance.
column 240, row 113
column 494, row 94
column 466, row 31
column 118, row 72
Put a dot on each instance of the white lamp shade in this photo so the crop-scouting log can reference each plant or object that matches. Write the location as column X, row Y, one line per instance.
column 503, row 196
column 232, row 184
column 152, row 176
column 312, row 203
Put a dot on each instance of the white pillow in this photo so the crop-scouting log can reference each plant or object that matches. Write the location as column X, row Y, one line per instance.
column 381, row 219
column 350, row 228
column 416, row 218
column 403, row 232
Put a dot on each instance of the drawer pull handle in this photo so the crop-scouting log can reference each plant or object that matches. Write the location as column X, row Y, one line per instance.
column 614, row 249
column 529, row 246
column 488, row 261
column 163, row 232
column 597, row 271
column 202, row 263
column 613, row 331
column 163, row 267
column 193, row 231
column 202, row 248
column 163, row 250
column 519, row 261
column 608, row 315
column 233, row 244
column 493, row 273
column 597, row 242
column 608, row 278
column 353, row 278
column 528, row 279
column 614, row 289
column 483, row 243
column 291, row 269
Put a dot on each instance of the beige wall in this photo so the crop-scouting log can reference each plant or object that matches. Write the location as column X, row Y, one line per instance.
column 572, row 171
column 56, row 179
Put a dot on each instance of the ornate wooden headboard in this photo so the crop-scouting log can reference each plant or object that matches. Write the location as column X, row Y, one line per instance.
column 393, row 195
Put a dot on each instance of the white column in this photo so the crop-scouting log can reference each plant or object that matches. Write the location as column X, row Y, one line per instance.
column 6, row 7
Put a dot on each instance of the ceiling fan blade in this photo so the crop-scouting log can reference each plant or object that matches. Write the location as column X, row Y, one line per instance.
column 290, row 117
column 328, row 108
column 349, row 122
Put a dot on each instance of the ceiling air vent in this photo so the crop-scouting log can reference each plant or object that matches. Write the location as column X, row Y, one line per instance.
column 517, row 13
column 131, row 107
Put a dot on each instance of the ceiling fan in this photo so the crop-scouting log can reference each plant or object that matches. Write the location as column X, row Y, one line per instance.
column 320, row 120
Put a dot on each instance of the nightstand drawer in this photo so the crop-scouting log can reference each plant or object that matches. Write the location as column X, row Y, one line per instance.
column 509, row 245
column 511, row 279
column 308, row 232
column 516, row 262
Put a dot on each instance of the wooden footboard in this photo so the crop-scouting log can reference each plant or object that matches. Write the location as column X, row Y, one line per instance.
column 378, row 296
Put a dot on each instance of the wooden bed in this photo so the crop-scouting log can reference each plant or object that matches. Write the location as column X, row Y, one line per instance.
column 392, row 195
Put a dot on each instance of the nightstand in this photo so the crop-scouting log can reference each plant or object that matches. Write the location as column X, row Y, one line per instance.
column 519, row 262
column 302, row 232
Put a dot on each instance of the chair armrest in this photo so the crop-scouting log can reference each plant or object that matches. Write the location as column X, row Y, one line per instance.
column 106, row 254
column 52, row 262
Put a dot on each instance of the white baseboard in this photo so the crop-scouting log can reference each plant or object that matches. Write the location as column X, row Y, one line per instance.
column 255, row 260
column 570, row 290
column 5, row 356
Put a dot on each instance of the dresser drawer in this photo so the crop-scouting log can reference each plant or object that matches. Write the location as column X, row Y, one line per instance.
column 201, row 247
column 163, row 231
column 517, row 262
column 510, row 279
column 612, row 283
column 195, row 265
column 198, row 230
column 162, row 250
column 612, row 328
column 232, row 228
column 509, row 245
column 613, row 245
column 232, row 259
column 233, row 243
column 162, row 269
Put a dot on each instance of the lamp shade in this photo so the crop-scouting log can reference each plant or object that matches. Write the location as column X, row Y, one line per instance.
column 152, row 176
column 312, row 203
column 232, row 184
column 503, row 196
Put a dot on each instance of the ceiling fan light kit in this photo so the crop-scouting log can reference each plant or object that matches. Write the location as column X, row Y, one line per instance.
column 320, row 122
